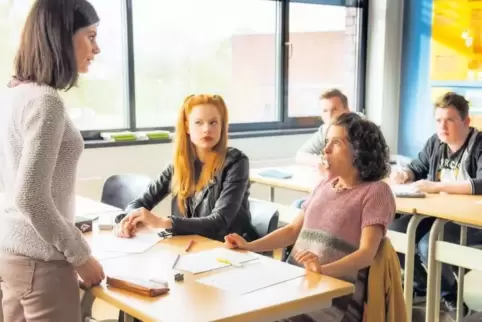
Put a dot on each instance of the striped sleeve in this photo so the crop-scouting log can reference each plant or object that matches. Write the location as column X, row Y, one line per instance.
column 378, row 206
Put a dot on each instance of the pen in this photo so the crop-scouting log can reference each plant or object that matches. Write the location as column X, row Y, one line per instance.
column 189, row 246
column 175, row 262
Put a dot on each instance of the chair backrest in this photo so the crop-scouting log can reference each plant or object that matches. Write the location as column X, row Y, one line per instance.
column 120, row 189
column 376, row 289
column 264, row 216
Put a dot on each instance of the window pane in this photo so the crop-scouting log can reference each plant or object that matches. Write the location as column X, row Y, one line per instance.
column 323, row 53
column 12, row 18
column 227, row 47
column 99, row 101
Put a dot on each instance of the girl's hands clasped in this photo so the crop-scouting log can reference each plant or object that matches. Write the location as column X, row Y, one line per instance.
column 309, row 260
column 127, row 228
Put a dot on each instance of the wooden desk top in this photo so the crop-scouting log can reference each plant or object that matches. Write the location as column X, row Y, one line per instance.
column 85, row 206
column 459, row 208
column 192, row 301
column 304, row 179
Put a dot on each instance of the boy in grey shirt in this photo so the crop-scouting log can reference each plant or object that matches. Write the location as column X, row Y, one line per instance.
column 333, row 104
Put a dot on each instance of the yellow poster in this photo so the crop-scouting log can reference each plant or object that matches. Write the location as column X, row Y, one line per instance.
column 456, row 52
column 456, row 44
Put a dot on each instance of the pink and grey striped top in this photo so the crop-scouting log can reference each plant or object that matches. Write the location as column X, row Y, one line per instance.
column 334, row 221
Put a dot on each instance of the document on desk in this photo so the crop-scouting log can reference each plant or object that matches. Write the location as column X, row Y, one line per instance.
column 101, row 254
column 403, row 188
column 86, row 207
column 253, row 276
column 213, row 259
column 108, row 242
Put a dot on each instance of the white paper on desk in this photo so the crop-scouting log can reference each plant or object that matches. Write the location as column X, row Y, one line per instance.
column 85, row 207
column 207, row 260
column 138, row 244
column 101, row 254
column 253, row 276
column 403, row 188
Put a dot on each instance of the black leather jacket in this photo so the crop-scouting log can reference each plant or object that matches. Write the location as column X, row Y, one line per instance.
column 222, row 207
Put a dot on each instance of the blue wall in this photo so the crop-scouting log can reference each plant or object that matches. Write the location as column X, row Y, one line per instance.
column 416, row 121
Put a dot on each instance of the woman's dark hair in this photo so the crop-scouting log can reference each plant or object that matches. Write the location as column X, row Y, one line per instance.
column 46, row 54
column 371, row 154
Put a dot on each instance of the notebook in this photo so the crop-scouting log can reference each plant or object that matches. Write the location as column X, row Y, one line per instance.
column 277, row 174
column 406, row 191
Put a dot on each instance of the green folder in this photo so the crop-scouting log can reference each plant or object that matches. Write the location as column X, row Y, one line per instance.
column 122, row 136
column 157, row 135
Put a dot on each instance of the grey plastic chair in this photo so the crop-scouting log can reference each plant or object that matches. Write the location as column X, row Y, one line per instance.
column 120, row 189
column 264, row 218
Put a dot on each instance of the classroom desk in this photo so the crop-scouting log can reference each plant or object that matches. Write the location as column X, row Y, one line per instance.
column 85, row 206
column 465, row 211
column 460, row 209
column 192, row 301
column 304, row 179
column 442, row 206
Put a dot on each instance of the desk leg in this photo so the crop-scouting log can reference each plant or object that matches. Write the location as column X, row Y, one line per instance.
column 409, row 263
column 461, row 276
column 432, row 313
column 86, row 303
column 271, row 194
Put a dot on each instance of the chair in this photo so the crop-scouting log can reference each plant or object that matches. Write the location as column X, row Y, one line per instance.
column 264, row 218
column 379, row 304
column 120, row 189
column 472, row 294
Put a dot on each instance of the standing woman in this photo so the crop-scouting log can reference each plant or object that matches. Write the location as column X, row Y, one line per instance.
column 209, row 181
column 41, row 251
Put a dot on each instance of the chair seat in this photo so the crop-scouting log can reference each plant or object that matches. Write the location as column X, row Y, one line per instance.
column 472, row 290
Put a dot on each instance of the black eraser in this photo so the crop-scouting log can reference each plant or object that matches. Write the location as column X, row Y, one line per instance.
column 179, row 277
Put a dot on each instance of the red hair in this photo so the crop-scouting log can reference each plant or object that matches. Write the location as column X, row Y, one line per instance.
column 184, row 182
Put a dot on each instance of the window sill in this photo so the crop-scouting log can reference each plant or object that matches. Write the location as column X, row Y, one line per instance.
column 91, row 144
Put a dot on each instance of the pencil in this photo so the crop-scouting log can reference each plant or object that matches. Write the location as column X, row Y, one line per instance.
column 189, row 246
column 175, row 262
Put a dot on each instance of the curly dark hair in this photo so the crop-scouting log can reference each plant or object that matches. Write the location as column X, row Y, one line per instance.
column 371, row 155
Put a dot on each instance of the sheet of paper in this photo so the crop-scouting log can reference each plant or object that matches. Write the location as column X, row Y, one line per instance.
column 107, row 218
column 108, row 242
column 403, row 188
column 208, row 260
column 87, row 207
column 253, row 276
column 101, row 254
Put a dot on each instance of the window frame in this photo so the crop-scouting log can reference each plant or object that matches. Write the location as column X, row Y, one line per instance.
column 282, row 75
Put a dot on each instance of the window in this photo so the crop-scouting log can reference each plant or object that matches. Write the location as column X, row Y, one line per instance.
column 99, row 101
column 269, row 59
column 322, row 54
column 227, row 47
column 12, row 17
